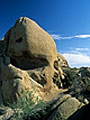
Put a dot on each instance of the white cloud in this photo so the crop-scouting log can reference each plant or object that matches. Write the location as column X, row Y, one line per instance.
column 67, row 37
column 83, row 36
column 77, row 59
column 59, row 37
column 56, row 36
column 82, row 49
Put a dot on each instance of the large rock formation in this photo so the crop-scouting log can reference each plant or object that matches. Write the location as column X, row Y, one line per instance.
column 29, row 45
column 28, row 53
column 29, row 61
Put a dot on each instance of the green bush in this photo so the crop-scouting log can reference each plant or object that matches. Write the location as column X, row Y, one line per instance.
column 26, row 107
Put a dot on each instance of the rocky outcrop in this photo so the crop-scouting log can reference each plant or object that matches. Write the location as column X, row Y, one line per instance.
column 29, row 45
column 28, row 53
column 15, row 82
column 29, row 61
column 62, row 61
column 66, row 109
column 77, row 81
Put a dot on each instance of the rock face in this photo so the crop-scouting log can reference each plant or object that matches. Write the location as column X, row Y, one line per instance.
column 77, row 80
column 29, row 45
column 27, row 53
column 29, row 61
column 66, row 109
column 62, row 61
column 15, row 82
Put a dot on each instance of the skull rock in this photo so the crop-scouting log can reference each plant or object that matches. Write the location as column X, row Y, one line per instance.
column 30, row 48
column 28, row 59
column 29, row 45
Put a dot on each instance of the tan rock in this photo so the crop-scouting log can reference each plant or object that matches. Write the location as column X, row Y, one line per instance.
column 62, row 61
column 66, row 109
column 30, row 45
column 28, row 61
column 15, row 82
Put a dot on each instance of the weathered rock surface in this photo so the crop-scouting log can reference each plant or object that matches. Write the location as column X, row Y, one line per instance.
column 66, row 109
column 29, row 61
column 26, row 49
column 15, row 81
column 77, row 80
column 29, row 45
column 62, row 61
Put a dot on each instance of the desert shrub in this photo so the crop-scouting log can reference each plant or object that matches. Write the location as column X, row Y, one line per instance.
column 26, row 107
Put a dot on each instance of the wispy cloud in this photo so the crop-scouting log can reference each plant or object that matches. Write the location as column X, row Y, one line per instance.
column 79, row 50
column 83, row 36
column 56, row 36
column 77, row 59
column 82, row 49
column 59, row 37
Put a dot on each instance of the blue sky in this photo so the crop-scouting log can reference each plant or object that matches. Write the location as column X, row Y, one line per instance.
column 67, row 21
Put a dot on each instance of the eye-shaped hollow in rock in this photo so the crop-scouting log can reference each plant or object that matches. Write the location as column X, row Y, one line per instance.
column 30, row 47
